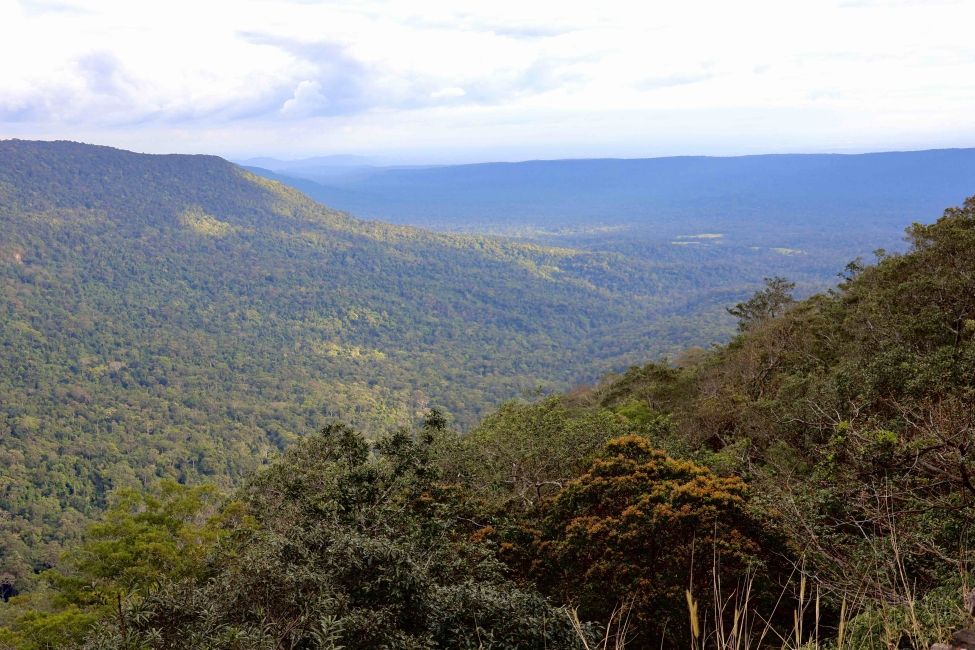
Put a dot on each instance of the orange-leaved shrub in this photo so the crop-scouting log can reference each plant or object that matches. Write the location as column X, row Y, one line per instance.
column 637, row 529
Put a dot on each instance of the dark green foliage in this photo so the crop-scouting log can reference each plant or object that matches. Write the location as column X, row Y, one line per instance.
column 342, row 544
column 525, row 451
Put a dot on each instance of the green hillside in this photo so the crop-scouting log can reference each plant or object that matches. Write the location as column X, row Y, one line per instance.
column 806, row 486
column 176, row 316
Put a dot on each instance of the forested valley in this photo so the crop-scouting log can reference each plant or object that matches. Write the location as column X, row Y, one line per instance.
column 214, row 436
column 176, row 317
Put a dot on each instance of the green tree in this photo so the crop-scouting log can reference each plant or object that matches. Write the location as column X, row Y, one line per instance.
column 525, row 451
column 770, row 302
column 142, row 541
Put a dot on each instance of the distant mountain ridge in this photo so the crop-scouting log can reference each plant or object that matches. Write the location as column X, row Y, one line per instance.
column 835, row 190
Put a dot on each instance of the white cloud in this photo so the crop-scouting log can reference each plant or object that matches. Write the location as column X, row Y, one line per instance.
column 536, row 78
column 307, row 100
column 447, row 93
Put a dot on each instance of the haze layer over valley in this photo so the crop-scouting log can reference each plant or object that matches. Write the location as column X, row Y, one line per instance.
column 818, row 210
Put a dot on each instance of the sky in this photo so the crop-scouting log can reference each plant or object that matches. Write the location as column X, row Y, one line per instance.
column 425, row 81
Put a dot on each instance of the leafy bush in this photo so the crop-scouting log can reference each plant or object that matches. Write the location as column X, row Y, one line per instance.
column 638, row 529
column 343, row 544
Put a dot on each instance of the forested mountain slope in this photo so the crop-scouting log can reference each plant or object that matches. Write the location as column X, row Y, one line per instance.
column 806, row 486
column 176, row 316
column 851, row 415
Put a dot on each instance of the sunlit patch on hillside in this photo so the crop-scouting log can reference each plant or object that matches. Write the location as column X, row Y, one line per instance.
column 204, row 224
column 335, row 349
column 12, row 255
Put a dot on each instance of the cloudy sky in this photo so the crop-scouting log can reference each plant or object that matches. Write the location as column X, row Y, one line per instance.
column 428, row 81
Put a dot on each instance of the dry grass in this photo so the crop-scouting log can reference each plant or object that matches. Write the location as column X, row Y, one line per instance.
column 616, row 634
column 734, row 623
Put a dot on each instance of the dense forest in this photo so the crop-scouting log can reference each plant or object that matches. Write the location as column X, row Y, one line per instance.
column 177, row 317
column 808, row 484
